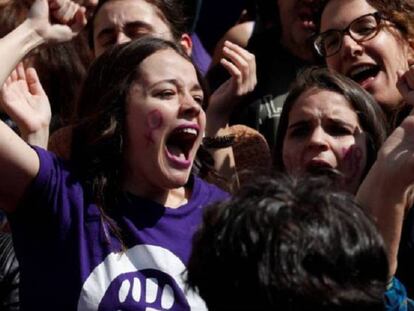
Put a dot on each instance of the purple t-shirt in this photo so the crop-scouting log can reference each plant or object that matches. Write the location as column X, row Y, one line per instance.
column 70, row 260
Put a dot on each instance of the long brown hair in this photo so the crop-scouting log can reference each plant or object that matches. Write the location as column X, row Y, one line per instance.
column 99, row 131
column 370, row 115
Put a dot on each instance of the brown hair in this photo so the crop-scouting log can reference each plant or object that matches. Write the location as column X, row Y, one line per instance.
column 99, row 130
column 400, row 12
column 370, row 115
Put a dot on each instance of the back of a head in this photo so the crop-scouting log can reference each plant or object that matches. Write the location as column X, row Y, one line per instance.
column 285, row 244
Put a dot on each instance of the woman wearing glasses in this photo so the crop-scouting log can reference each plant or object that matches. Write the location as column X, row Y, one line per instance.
column 370, row 41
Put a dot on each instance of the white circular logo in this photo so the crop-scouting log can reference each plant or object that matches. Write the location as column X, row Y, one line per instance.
column 145, row 277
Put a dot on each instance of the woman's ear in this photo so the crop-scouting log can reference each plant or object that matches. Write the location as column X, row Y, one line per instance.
column 186, row 43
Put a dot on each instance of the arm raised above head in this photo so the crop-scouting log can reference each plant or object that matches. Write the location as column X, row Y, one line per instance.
column 26, row 103
column 19, row 165
column 241, row 65
column 37, row 29
column 386, row 190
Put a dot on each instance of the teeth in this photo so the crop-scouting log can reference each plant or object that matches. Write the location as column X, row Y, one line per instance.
column 359, row 69
column 189, row 131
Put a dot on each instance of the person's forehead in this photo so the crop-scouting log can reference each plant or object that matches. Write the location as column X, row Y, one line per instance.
column 168, row 63
column 128, row 11
column 323, row 100
column 339, row 13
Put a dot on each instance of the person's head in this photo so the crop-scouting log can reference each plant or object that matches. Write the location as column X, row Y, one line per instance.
column 288, row 244
column 119, row 21
column 141, row 120
column 376, row 45
column 294, row 20
column 329, row 124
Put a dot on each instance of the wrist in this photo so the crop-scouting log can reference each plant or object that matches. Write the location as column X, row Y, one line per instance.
column 28, row 37
column 218, row 142
column 38, row 138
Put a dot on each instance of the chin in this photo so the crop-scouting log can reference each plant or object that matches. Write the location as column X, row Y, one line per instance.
column 176, row 180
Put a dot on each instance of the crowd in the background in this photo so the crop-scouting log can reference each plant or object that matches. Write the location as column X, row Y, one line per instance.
column 206, row 155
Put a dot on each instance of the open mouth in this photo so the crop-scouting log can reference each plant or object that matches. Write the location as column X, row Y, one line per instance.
column 362, row 74
column 306, row 15
column 320, row 168
column 179, row 145
column 307, row 22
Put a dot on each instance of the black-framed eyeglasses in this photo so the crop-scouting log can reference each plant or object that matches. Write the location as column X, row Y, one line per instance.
column 360, row 29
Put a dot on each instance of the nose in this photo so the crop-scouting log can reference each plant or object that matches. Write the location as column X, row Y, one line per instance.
column 189, row 106
column 121, row 37
column 318, row 139
column 350, row 47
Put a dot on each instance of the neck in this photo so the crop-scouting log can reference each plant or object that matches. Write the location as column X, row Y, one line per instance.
column 300, row 51
column 172, row 198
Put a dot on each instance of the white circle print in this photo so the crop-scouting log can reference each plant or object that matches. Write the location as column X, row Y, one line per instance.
column 138, row 258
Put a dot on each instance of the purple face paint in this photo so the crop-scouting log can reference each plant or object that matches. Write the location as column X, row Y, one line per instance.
column 351, row 167
column 154, row 122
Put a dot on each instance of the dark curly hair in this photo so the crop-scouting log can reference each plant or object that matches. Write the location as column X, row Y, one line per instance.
column 400, row 12
column 289, row 244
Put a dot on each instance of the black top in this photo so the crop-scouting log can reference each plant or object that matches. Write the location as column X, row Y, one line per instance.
column 9, row 275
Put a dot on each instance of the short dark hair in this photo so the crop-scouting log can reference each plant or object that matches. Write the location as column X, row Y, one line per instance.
column 288, row 244
column 172, row 13
column 370, row 116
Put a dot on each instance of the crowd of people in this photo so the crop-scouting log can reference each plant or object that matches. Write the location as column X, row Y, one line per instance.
column 196, row 155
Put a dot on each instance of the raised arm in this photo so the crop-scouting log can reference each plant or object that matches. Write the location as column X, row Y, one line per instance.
column 19, row 164
column 385, row 192
column 37, row 29
column 241, row 65
column 27, row 104
column 24, row 100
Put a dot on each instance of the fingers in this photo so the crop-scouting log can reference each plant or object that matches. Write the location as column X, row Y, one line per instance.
column 21, row 72
column 21, row 75
column 69, row 13
column 233, row 70
column 405, row 85
column 80, row 20
column 409, row 77
column 13, row 76
column 68, row 16
column 241, row 65
column 33, row 82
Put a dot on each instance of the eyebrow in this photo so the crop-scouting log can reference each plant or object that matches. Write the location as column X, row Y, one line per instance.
column 306, row 122
column 195, row 87
column 299, row 123
column 136, row 24
column 139, row 24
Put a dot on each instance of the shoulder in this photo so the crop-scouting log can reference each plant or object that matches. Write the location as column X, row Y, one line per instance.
column 56, row 190
column 206, row 192
column 53, row 171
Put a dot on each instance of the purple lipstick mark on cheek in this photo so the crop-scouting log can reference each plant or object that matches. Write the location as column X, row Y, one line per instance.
column 352, row 158
column 154, row 122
